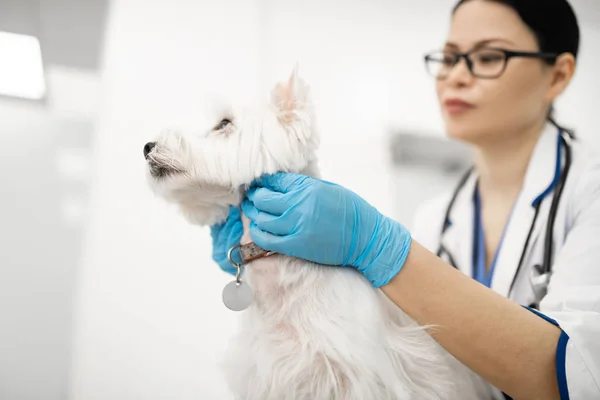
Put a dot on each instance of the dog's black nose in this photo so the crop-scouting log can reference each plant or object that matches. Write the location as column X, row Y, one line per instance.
column 148, row 148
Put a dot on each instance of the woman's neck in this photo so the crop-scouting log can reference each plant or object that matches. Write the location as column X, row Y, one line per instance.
column 502, row 165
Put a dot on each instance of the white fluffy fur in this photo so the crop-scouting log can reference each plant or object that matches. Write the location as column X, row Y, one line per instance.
column 313, row 332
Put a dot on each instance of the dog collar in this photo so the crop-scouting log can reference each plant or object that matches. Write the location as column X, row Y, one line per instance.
column 248, row 253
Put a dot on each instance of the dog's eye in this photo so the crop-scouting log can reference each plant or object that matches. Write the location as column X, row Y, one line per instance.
column 223, row 124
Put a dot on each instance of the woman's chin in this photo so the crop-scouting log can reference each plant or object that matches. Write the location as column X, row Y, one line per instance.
column 464, row 134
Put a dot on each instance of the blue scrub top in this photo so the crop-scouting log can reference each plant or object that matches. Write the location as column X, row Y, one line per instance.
column 479, row 272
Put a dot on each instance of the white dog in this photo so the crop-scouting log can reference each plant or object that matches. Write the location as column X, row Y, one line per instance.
column 312, row 332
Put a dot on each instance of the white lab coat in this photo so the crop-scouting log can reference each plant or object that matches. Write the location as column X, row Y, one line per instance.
column 573, row 297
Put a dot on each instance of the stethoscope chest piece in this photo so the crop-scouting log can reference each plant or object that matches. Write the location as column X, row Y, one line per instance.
column 539, row 282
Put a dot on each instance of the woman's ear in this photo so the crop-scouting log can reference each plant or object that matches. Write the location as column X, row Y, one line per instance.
column 561, row 74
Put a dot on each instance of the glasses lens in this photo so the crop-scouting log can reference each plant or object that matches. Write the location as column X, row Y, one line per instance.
column 440, row 63
column 488, row 63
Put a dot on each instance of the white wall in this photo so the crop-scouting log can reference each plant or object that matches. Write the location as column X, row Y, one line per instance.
column 578, row 107
column 43, row 208
column 151, row 324
column 150, row 321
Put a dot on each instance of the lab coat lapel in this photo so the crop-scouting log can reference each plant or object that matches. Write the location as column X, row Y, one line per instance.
column 458, row 238
column 538, row 180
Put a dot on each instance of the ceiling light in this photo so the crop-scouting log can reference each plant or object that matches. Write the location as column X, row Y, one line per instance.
column 21, row 67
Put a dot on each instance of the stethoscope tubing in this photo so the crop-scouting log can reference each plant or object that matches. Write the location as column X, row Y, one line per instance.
column 546, row 267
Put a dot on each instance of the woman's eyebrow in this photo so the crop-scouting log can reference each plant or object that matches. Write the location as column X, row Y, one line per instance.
column 480, row 43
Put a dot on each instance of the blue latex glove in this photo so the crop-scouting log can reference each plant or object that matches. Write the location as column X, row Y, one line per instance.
column 325, row 223
column 225, row 235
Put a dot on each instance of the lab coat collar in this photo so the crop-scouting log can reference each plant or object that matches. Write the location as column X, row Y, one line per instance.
column 538, row 184
column 542, row 172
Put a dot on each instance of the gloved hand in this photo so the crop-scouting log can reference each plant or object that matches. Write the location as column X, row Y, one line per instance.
column 325, row 223
column 225, row 235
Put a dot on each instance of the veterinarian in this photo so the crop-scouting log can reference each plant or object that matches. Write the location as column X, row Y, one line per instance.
column 508, row 263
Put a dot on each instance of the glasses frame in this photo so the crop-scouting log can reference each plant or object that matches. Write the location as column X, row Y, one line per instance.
column 508, row 54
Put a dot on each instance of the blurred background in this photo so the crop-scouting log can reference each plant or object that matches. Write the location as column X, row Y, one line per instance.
column 105, row 292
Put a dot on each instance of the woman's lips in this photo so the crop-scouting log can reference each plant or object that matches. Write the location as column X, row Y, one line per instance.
column 457, row 106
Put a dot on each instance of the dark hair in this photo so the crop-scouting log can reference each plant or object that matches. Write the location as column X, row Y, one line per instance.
column 554, row 25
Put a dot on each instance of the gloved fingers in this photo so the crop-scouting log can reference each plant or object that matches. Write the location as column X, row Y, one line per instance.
column 228, row 268
column 234, row 212
column 282, row 182
column 215, row 231
column 234, row 215
column 226, row 235
column 235, row 233
column 233, row 218
column 263, row 239
column 276, row 225
column 220, row 257
column 249, row 210
column 328, row 183
column 266, row 200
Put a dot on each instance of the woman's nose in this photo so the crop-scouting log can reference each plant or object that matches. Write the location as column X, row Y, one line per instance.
column 460, row 74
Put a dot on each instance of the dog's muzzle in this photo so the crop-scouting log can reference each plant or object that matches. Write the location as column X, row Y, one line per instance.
column 148, row 148
column 157, row 169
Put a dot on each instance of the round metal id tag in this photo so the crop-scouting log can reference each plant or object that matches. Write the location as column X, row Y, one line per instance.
column 237, row 295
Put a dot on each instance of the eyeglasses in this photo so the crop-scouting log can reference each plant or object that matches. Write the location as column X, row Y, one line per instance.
column 486, row 63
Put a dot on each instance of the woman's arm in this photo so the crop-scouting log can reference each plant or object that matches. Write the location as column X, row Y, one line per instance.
column 520, row 353
column 507, row 345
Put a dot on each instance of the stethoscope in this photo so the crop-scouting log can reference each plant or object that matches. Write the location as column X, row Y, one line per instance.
column 539, row 283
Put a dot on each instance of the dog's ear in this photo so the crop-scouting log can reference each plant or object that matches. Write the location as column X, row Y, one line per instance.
column 290, row 95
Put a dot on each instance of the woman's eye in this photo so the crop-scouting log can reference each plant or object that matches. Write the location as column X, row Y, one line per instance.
column 490, row 58
column 223, row 124
column 448, row 61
